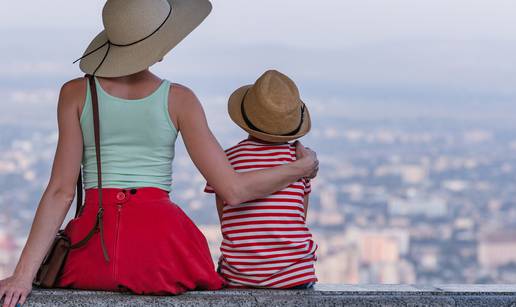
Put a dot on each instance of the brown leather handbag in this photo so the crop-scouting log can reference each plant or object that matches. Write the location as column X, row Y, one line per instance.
column 51, row 268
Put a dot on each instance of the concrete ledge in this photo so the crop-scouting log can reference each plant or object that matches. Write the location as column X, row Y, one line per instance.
column 322, row 295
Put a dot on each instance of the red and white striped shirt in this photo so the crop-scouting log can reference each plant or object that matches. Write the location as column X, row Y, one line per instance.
column 266, row 242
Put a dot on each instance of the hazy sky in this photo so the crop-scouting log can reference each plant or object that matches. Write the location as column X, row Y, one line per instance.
column 405, row 48
column 333, row 23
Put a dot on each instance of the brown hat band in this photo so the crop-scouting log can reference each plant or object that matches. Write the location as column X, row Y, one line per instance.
column 250, row 124
column 110, row 43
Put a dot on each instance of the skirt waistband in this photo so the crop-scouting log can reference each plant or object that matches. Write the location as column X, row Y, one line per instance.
column 122, row 195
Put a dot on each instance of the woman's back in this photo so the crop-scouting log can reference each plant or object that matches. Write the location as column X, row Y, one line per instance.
column 137, row 140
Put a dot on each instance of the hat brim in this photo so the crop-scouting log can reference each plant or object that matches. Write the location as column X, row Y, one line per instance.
column 186, row 15
column 235, row 113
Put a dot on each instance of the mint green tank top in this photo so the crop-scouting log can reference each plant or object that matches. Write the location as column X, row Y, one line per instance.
column 137, row 139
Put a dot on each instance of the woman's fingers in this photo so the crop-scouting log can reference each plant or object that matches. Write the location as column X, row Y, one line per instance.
column 20, row 297
column 8, row 297
column 2, row 292
column 14, row 291
column 314, row 173
column 15, row 298
column 299, row 150
column 23, row 297
column 315, row 166
column 303, row 152
column 307, row 152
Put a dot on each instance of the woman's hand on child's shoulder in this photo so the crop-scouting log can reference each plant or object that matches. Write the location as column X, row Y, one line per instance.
column 308, row 158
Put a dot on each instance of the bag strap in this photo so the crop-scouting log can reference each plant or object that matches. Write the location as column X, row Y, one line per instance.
column 100, row 212
column 79, row 206
column 96, row 128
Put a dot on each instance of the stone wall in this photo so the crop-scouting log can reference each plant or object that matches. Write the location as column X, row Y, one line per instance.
column 322, row 295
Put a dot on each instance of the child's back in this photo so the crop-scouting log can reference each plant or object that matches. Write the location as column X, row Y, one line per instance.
column 266, row 242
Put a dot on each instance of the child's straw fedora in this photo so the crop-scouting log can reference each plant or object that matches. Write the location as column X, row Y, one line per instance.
column 270, row 109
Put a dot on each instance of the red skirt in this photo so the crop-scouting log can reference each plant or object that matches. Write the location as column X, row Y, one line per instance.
column 154, row 248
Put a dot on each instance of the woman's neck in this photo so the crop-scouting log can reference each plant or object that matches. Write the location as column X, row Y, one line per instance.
column 144, row 75
column 134, row 86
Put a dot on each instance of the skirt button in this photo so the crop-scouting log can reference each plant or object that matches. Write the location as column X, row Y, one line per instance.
column 120, row 196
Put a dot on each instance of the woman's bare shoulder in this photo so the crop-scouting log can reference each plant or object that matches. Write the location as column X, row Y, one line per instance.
column 182, row 93
column 183, row 104
column 74, row 86
column 73, row 94
column 182, row 97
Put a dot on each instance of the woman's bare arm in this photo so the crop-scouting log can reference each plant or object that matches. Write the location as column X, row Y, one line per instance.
column 57, row 197
column 208, row 156
column 220, row 207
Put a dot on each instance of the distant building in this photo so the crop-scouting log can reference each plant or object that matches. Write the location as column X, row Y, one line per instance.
column 498, row 248
column 339, row 265
column 433, row 207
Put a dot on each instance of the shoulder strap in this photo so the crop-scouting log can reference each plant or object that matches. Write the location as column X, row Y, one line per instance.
column 100, row 213
column 79, row 206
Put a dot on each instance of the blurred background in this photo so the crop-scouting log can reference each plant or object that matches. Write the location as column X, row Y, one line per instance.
column 414, row 121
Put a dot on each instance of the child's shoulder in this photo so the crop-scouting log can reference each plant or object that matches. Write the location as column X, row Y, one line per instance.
column 252, row 144
column 237, row 145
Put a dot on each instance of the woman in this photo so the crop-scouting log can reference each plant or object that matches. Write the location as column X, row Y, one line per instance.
column 153, row 247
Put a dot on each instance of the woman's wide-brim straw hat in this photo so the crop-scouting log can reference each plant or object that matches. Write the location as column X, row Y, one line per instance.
column 270, row 109
column 138, row 33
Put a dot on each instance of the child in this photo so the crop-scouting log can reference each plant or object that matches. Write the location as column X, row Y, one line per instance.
column 266, row 243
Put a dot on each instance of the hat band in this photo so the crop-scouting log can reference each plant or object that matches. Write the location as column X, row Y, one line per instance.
column 110, row 43
column 250, row 124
